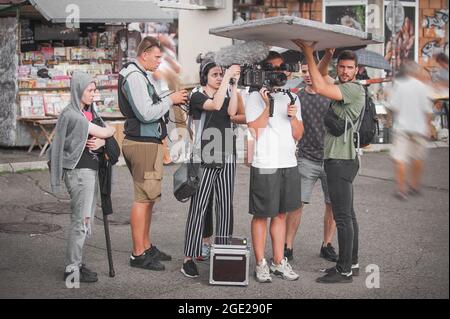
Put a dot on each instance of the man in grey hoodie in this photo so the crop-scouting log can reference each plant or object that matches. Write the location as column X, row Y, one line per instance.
column 72, row 158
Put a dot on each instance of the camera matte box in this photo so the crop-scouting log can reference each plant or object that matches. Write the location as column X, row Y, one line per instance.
column 280, row 31
column 229, row 261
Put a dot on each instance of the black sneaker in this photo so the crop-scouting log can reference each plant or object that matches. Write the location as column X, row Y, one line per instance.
column 328, row 253
column 146, row 261
column 158, row 254
column 87, row 271
column 82, row 277
column 335, row 277
column 355, row 270
column 288, row 253
column 189, row 269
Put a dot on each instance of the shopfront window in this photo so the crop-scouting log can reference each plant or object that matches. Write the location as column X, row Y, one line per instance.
column 403, row 44
column 348, row 13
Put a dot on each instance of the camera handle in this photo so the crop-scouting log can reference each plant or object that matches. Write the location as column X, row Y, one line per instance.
column 293, row 100
column 272, row 101
column 271, row 106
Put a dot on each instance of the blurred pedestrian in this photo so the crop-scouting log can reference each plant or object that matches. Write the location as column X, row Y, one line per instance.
column 412, row 108
column 169, row 74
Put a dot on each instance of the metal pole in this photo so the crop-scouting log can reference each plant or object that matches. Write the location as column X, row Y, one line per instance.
column 112, row 273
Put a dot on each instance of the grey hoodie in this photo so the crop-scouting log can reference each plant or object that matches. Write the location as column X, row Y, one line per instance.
column 71, row 134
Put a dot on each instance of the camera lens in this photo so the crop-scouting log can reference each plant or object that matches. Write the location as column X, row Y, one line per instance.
column 277, row 79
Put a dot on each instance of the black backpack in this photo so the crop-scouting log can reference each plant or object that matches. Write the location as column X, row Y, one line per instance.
column 365, row 127
column 368, row 123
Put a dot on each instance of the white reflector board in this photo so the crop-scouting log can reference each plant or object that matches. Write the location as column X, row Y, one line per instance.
column 280, row 31
column 179, row 4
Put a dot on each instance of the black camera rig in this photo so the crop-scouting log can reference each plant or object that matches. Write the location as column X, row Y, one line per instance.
column 272, row 100
column 265, row 75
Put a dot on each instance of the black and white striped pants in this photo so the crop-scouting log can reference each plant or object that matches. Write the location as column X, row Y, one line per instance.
column 221, row 182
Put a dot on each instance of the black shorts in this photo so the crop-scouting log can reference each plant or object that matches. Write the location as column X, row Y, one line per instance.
column 274, row 191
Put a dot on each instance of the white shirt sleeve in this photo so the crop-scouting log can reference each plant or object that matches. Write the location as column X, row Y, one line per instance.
column 254, row 106
column 393, row 98
column 299, row 110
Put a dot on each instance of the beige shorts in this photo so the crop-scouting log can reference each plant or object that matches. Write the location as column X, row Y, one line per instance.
column 408, row 147
column 145, row 162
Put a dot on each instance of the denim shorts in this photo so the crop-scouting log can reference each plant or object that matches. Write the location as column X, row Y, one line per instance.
column 310, row 172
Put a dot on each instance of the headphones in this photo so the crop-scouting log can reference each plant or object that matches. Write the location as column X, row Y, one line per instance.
column 204, row 72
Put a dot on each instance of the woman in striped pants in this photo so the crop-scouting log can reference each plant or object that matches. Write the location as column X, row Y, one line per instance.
column 218, row 157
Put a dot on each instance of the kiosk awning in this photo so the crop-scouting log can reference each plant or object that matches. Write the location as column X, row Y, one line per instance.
column 103, row 11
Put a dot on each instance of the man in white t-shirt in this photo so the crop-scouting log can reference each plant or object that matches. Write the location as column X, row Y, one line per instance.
column 274, row 177
column 412, row 110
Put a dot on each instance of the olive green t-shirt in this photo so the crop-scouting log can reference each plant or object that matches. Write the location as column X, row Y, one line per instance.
column 352, row 104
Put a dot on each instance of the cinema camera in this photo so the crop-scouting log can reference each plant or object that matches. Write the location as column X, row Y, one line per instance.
column 257, row 76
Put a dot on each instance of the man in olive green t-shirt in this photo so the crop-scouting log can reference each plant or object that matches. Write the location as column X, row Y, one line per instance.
column 341, row 161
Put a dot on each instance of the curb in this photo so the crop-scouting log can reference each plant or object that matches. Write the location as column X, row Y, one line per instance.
column 22, row 166
column 6, row 168
column 33, row 166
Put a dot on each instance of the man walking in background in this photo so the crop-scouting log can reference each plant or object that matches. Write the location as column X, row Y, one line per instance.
column 412, row 123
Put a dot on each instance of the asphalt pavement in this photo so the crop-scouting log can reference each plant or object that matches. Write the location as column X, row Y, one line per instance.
column 408, row 242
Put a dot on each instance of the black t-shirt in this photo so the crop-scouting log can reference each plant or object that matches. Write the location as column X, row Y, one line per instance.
column 216, row 122
column 88, row 160
column 314, row 108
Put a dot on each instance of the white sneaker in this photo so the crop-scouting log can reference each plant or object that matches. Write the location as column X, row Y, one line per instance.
column 283, row 270
column 262, row 272
column 206, row 252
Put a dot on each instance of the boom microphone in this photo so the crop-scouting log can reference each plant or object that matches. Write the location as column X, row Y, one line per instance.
column 248, row 53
